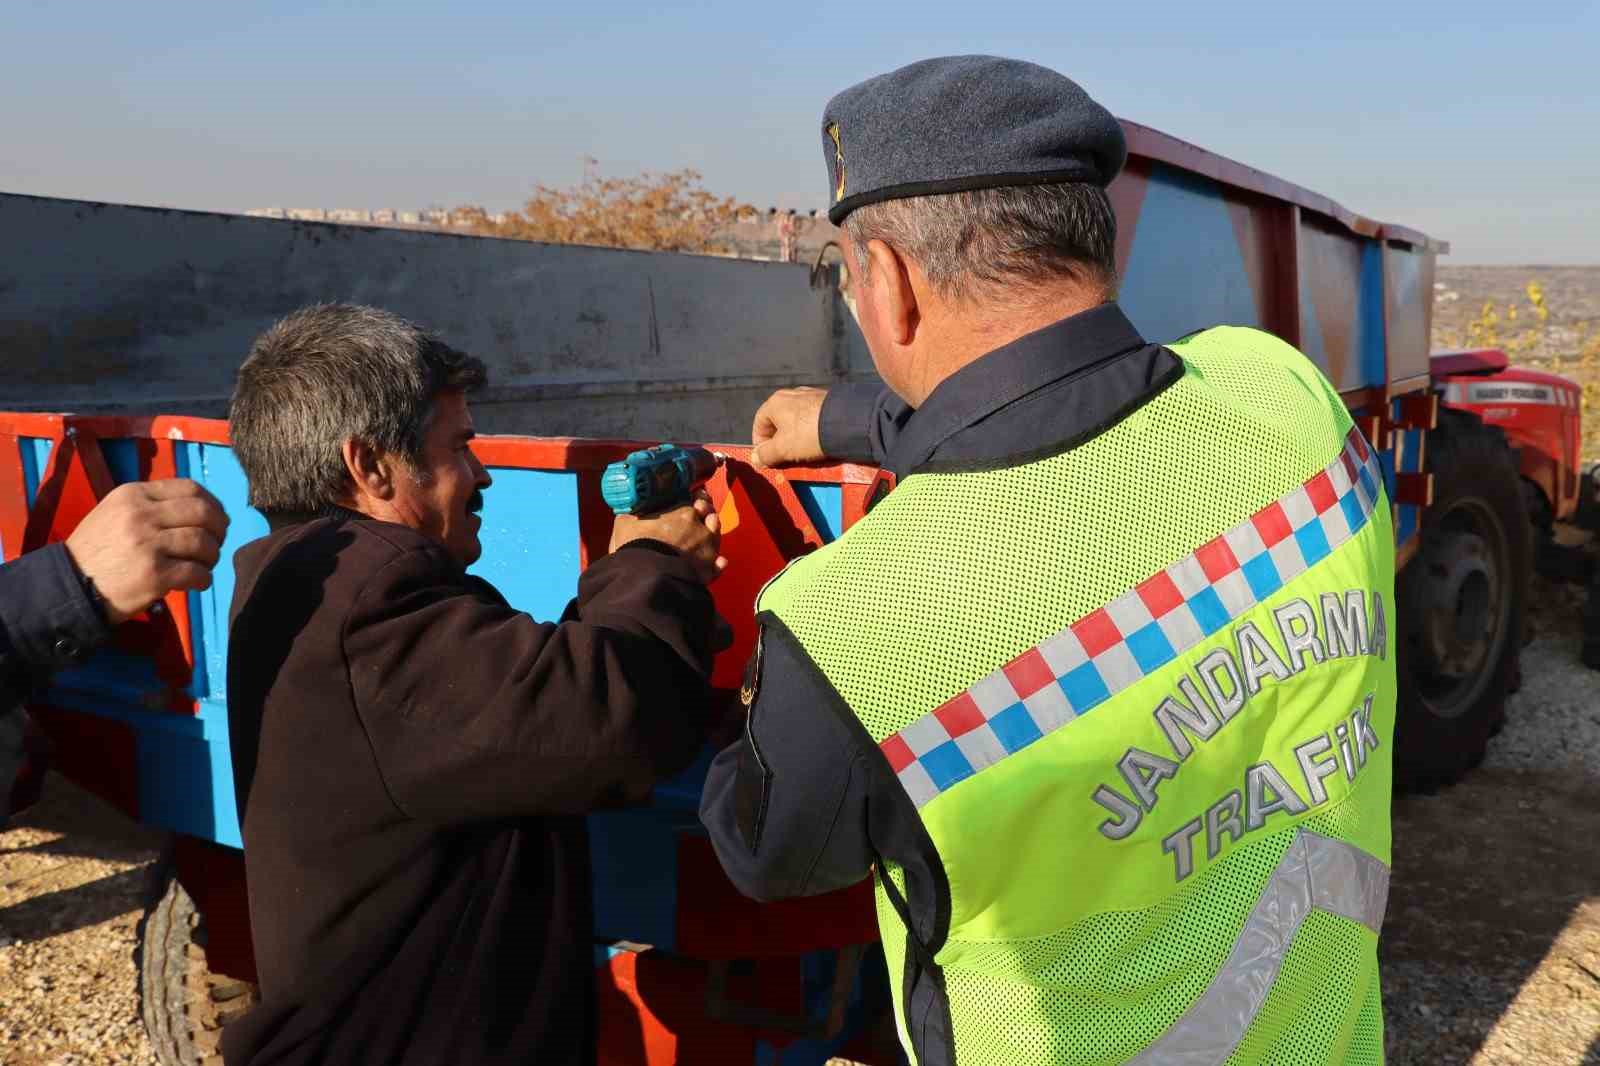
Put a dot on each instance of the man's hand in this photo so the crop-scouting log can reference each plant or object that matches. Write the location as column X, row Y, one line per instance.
column 786, row 429
column 694, row 529
column 146, row 539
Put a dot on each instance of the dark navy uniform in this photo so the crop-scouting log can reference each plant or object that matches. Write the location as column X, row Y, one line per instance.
column 788, row 806
column 47, row 622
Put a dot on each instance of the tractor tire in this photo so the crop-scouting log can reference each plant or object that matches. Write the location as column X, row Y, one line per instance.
column 1461, row 605
column 183, row 1004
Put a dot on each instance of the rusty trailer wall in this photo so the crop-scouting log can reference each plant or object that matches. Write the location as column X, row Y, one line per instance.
column 1203, row 240
column 107, row 308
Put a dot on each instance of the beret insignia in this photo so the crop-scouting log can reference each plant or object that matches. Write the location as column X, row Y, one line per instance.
column 838, row 159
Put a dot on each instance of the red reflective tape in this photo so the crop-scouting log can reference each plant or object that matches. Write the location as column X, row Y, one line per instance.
column 1360, row 443
column 1320, row 490
column 960, row 715
column 1028, row 673
column 1216, row 559
column 1160, row 594
column 1097, row 632
column 1271, row 523
column 897, row 751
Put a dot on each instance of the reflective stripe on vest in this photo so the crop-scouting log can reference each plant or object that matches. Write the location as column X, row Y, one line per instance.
column 1316, row 873
column 1071, row 672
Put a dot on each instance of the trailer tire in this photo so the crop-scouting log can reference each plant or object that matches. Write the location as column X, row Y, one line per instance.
column 183, row 1004
column 1461, row 605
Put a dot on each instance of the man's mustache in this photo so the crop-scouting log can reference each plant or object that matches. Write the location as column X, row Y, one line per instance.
column 475, row 504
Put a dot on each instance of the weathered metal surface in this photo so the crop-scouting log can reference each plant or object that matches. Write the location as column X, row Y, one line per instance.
column 1152, row 144
column 1203, row 241
column 110, row 308
column 105, row 307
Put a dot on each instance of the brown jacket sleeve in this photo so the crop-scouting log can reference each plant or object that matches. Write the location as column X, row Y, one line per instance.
column 475, row 710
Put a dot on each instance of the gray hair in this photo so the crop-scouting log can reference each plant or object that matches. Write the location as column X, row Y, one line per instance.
column 331, row 373
column 977, row 242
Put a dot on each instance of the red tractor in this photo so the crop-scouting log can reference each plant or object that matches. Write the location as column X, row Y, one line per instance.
column 1540, row 414
column 1493, row 418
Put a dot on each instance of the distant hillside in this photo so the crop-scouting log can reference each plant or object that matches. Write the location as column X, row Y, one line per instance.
column 1572, row 295
column 1566, row 341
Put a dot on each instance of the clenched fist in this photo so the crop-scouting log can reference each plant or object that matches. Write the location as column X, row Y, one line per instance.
column 146, row 539
column 694, row 529
column 787, row 427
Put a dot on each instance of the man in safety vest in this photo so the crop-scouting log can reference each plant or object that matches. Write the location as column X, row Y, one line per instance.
column 1102, row 688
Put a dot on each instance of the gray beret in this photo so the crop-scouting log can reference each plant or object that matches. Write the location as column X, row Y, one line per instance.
column 964, row 122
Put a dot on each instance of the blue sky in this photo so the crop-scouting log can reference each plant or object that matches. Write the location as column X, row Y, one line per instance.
column 1477, row 123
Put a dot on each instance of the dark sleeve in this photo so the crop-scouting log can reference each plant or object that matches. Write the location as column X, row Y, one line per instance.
column 13, row 754
column 47, row 621
column 786, row 806
column 475, row 710
column 860, row 421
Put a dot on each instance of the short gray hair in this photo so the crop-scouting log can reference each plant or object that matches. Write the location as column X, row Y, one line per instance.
column 331, row 373
column 976, row 242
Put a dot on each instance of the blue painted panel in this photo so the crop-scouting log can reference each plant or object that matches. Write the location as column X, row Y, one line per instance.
column 111, row 674
column 1360, row 266
column 122, row 458
column 530, row 539
column 824, row 505
column 1413, row 460
column 35, row 461
column 215, row 467
column 1402, row 519
column 186, row 781
column 1311, row 342
column 634, row 858
column 185, row 774
column 1408, row 518
column 683, row 791
column 1370, row 338
column 1185, row 270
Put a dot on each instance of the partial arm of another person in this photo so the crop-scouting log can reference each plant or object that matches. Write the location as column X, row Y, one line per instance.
column 476, row 710
column 47, row 622
column 140, row 542
column 855, row 422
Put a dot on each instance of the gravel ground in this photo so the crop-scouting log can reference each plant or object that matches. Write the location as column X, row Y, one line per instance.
column 72, row 889
column 1491, row 950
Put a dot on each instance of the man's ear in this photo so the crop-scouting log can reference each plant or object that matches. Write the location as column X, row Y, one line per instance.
column 371, row 473
column 892, row 272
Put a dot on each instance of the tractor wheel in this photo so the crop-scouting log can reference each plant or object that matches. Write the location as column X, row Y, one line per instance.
column 183, row 1004
column 1461, row 606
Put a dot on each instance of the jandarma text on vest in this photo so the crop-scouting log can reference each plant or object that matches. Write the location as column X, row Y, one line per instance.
column 1220, row 686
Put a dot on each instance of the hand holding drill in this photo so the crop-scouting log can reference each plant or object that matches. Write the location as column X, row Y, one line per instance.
column 658, row 494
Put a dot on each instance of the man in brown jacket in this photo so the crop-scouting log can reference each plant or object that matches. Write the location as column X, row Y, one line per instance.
column 413, row 757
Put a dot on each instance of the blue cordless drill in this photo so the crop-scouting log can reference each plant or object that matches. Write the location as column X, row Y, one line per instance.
column 655, row 479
